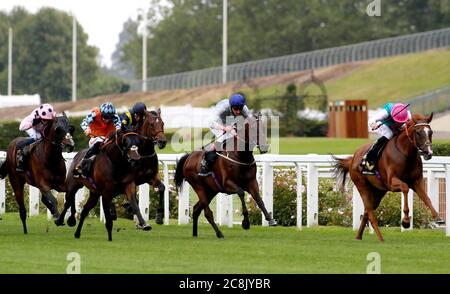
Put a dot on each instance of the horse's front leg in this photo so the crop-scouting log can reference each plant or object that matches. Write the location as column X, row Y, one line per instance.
column 395, row 185
column 156, row 183
column 50, row 201
column 130, row 191
column 253, row 189
column 419, row 188
column 233, row 187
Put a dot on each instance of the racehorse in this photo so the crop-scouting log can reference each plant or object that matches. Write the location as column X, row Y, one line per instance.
column 146, row 169
column 45, row 167
column 233, row 172
column 112, row 174
column 398, row 169
column 152, row 130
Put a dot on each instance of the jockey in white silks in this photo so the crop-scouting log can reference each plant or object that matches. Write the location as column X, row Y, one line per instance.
column 221, row 125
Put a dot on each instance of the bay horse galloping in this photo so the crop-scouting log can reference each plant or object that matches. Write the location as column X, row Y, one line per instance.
column 45, row 167
column 398, row 169
column 112, row 175
column 147, row 169
column 233, row 172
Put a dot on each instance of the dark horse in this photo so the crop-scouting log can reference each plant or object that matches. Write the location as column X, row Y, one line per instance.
column 147, row 169
column 399, row 169
column 112, row 175
column 45, row 167
column 233, row 172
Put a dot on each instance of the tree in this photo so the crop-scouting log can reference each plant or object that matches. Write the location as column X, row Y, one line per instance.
column 42, row 56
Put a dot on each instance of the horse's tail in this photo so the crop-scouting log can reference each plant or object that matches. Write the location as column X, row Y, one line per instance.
column 341, row 167
column 3, row 170
column 179, row 171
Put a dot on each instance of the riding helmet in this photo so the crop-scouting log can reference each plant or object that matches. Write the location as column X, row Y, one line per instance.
column 46, row 111
column 139, row 108
column 237, row 99
column 107, row 110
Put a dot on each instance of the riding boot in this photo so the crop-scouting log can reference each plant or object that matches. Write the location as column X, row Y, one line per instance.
column 85, row 166
column 209, row 157
column 371, row 157
column 22, row 153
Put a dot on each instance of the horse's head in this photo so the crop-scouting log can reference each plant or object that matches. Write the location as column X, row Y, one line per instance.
column 128, row 143
column 422, row 138
column 255, row 133
column 60, row 132
column 153, row 127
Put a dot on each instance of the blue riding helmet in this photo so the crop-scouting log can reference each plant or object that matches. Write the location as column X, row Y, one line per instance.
column 237, row 100
column 139, row 108
column 107, row 110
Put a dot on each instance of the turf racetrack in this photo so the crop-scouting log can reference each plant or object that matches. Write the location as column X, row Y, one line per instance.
column 172, row 249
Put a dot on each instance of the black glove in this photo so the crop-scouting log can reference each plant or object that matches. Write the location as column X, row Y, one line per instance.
column 36, row 121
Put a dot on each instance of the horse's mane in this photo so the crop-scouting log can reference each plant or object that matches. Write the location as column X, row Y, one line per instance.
column 415, row 118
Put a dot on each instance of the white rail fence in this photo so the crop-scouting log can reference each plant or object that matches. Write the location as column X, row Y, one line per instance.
column 313, row 167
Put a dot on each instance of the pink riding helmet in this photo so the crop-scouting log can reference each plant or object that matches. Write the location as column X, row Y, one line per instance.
column 46, row 111
column 399, row 113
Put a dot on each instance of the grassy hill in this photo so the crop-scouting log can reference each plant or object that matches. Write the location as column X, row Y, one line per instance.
column 378, row 81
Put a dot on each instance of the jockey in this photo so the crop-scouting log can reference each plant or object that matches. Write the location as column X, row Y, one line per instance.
column 387, row 123
column 34, row 125
column 222, row 128
column 135, row 116
column 97, row 125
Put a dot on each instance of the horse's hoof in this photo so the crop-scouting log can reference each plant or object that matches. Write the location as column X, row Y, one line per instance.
column 245, row 224
column 77, row 236
column 159, row 219
column 71, row 221
column 406, row 225
column 59, row 222
column 439, row 221
column 273, row 223
column 220, row 235
column 144, row 227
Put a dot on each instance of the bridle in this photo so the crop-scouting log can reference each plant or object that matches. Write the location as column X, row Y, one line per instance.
column 426, row 144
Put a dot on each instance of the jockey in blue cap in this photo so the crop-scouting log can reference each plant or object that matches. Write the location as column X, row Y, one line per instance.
column 222, row 128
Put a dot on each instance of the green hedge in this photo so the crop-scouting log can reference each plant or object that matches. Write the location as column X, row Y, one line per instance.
column 441, row 149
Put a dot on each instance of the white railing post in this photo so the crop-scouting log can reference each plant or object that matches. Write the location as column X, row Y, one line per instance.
column 267, row 190
column 224, row 209
column 2, row 197
column 79, row 197
column 433, row 189
column 358, row 208
column 166, row 193
column 102, row 214
column 49, row 214
column 411, row 208
column 447, row 200
column 183, row 205
column 144, row 201
column 299, row 195
column 34, row 201
column 312, row 196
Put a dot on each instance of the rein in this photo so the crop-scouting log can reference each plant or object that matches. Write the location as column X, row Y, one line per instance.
column 235, row 161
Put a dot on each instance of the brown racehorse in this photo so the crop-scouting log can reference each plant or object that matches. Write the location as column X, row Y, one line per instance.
column 147, row 170
column 399, row 169
column 46, row 168
column 113, row 174
column 233, row 172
